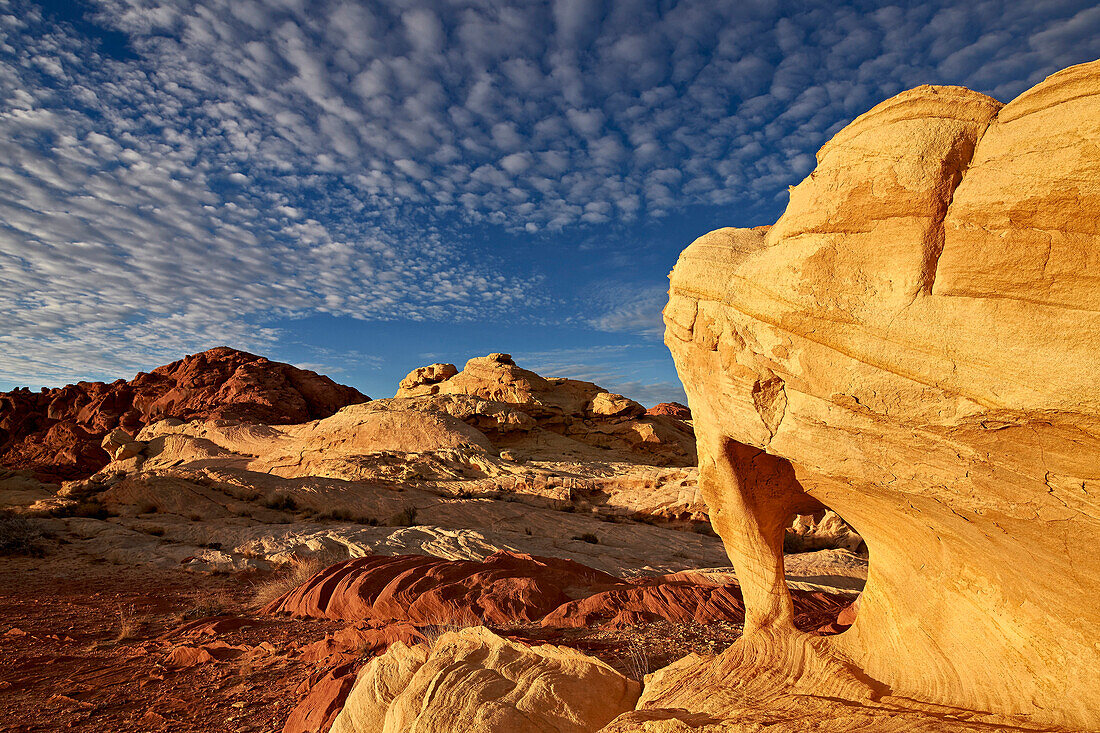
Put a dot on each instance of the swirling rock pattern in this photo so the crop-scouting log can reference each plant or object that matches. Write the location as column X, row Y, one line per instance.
column 914, row 344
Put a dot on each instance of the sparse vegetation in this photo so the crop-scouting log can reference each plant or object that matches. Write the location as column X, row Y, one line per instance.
column 128, row 624
column 344, row 515
column 404, row 518
column 286, row 579
column 19, row 536
column 636, row 661
column 280, row 501
column 86, row 509
column 587, row 537
column 207, row 605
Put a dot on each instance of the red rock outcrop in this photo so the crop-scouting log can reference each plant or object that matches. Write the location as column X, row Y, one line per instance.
column 57, row 432
column 672, row 409
column 683, row 602
column 504, row 588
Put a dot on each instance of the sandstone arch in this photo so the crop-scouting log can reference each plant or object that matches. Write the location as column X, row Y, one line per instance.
column 915, row 344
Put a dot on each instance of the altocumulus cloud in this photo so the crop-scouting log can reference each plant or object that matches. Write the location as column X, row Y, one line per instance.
column 237, row 163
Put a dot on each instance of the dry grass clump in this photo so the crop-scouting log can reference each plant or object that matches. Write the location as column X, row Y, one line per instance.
column 587, row 537
column 289, row 577
column 19, row 536
column 128, row 624
column 206, row 605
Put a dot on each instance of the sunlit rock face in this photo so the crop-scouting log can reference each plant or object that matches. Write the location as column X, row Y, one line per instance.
column 915, row 345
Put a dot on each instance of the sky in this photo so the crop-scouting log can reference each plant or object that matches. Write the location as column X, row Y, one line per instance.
column 362, row 188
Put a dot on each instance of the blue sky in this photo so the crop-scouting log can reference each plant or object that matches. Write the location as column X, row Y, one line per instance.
column 362, row 188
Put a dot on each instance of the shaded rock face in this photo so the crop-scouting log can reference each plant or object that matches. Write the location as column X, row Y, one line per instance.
column 57, row 432
column 914, row 345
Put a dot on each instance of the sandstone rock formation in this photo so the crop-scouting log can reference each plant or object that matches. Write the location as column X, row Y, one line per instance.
column 914, row 345
column 504, row 588
column 673, row 409
column 57, row 432
column 475, row 681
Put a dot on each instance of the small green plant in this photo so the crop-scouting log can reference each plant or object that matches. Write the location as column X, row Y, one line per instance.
column 587, row 537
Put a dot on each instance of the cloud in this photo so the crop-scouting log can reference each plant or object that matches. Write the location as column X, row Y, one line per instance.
column 176, row 175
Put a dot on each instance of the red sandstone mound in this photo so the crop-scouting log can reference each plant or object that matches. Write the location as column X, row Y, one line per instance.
column 504, row 588
column 672, row 409
column 510, row 587
column 685, row 601
column 56, row 432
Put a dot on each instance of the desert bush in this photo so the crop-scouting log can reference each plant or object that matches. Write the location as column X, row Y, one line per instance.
column 206, row 605
column 280, row 501
column 19, row 536
column 345, row 515
column 289, row 577
column 587, row 537
column 86, row 509
column 404, row 518
column 128, row 624
column 636, row 661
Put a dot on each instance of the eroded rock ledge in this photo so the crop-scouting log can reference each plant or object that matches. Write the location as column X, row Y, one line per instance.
column 914, row 344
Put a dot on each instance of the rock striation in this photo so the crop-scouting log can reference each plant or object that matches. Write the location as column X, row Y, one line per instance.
column 57, row 432
column 913, row 345
column 473, row 680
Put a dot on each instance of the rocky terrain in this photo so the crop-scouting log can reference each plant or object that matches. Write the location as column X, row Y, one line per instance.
column 547, row 510
column 911, row 347
column 56, row 433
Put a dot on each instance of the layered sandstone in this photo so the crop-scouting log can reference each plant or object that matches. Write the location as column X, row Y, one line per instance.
column 57, row 432
column 914, row 345
column 473, row 680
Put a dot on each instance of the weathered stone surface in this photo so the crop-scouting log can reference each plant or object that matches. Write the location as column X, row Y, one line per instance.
column 504, row 588
column 430, row 374
column 475, row 681
column 672, row 409
column 914, row 345
column 57, row 432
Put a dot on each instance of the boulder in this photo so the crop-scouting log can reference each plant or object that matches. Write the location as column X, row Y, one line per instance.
column 607, row 404
column 474, row 681
column 430, row 374
column 913, row 345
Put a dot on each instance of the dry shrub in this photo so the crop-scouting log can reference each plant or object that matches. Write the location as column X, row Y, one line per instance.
column 207, row 604
column 128, row 624
column 404, row 518
column 19, row 536
column 289, row 577
column 636, row 661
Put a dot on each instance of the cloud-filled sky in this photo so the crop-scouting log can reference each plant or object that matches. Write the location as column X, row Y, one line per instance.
column 364, row 187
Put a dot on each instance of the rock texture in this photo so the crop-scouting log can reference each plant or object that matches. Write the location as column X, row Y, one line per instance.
column 505, row 588
column 914, row 345
column 475, row 681
column 57, row 432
